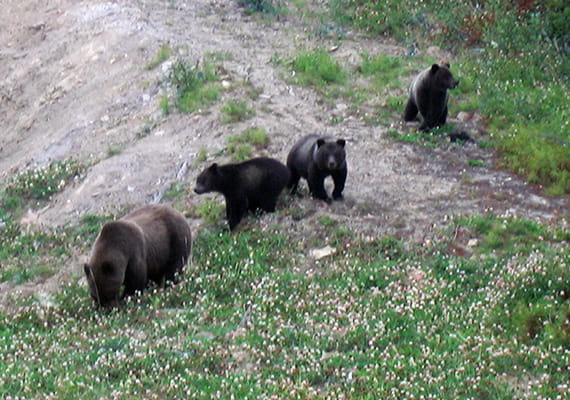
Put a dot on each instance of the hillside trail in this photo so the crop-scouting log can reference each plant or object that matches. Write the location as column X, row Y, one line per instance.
column 75, row 83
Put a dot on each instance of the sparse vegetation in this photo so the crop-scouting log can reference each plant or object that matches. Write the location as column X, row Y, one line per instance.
column 201, row 157
column 164, row 105
column 113, row 150
column 196, row 86
column 263, row 6
column 41, row 183
column 236, row 111
column 163, row 54
column 241, row 146
column 211, row 212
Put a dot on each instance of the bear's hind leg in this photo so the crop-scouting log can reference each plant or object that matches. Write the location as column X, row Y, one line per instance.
column 268, row 204
column 293, row 181
column 180, row 248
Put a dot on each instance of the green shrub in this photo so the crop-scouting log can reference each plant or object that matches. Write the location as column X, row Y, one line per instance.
column 195, row 86
column 236, row 111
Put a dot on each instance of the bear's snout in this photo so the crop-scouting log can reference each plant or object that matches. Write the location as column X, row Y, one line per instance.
column 454, row 83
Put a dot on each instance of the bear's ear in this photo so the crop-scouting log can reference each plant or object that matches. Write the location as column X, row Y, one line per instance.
column 447, row 65
column 434, row 68
column 107, row 268
column 214, row 167
column 320, row 142
column 341, row 142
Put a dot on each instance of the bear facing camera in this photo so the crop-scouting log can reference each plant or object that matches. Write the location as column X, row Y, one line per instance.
column 429, row 93
column 152, row 243
column 248, row 186
column 314, row 158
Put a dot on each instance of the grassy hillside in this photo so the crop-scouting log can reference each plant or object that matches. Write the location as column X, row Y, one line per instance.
column 480, row 310
column 513, row 61
column 481, row 313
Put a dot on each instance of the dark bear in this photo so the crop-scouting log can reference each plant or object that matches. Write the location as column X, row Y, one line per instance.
column 250, row 185
column 152, row 243
column 429, row 95
column 314, row 158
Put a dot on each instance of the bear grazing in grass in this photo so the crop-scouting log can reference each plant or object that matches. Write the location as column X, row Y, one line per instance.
column 152, row 243
column 250, row 185
column 429, row 95
column 314, row 158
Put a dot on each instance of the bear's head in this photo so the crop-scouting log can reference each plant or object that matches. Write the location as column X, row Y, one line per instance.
column 442, row 77
column 208, row 180
column 330, row 155
column 105, row 278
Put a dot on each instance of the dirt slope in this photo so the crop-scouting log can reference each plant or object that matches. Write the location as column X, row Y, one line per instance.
column 73, row 83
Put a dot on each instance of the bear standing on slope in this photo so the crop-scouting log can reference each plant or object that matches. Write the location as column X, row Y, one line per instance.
column 152, row 243
column 250, row 185
column 314, row 158
column 429, row 95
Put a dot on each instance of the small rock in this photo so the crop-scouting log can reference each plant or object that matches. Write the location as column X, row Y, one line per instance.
column 472, row 243
column 326, row 251
column 464, row 116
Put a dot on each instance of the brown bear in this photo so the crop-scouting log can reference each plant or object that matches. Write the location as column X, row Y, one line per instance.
column 250, row 185
column 429, row 95
column 152, row 243
column 314, row 158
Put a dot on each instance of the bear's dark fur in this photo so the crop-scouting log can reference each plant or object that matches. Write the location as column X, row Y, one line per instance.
column 250, row 185
column 314, row 158
column 152, row 243
column 429, row 95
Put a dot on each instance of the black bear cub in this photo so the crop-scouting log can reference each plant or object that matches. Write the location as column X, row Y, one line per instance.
column 250, row 185
column 429, row 95
column 314, row 158
column 152, row 243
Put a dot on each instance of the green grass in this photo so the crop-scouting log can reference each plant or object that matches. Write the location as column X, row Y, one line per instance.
column 247, row 321
column 318, row 69
column 196, row 86
column 27, row 256
column 236, row 111
column 211, row 212
column 241, row 146
column 41, row 183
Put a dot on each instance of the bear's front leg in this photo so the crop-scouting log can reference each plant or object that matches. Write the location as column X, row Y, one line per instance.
column 431, row 120
column 317, row 186
column 411, row 111
column 236, row 208
column 339, row 179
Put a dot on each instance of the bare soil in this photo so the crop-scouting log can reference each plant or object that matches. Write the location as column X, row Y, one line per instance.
column 74, row 83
